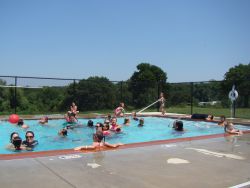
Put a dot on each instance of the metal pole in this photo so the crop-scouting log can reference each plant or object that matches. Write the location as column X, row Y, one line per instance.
column 15, row 100
column 74, row 88
column 234, row 109
column 191, row 101
column 121, row 90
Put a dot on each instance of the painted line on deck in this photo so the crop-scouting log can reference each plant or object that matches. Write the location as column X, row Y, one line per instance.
column 246, row 184
column 177, row 161
column 217, row 154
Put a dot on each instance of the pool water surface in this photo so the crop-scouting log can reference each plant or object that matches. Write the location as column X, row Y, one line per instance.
column 154, row 128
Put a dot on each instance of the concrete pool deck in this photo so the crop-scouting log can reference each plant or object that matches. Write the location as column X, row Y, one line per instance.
column 212, row 162
column 218, row 162
column 158, row 114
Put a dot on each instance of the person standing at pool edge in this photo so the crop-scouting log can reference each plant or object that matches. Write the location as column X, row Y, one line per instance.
column 162, row 101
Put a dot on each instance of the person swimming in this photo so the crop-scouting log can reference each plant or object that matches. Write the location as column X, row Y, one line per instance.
column 178, row 125
column 229, row 128
column 63, row 132
column 73, row 109
column 119, row 111
column 44, row 120
column 20, row 123
column 30, row 142
column 15, row 142
column 222, row 121
column 90, row 123
column 134, row 116
column 207, row 117
column 114, row 126
column 98, row 142
column 126, row 121
column 105, row 129
column 141, row 122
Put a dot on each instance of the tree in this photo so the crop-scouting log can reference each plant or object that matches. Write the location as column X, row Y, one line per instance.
column 95, row 93
column 179, row 94
column 4, row 104
column 146, row 83
column 206, row 91
column 240, row 77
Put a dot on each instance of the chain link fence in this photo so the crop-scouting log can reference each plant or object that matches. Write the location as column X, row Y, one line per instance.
column 36, row 95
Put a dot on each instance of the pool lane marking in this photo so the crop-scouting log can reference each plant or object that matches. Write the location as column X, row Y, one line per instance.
column 217, row 154
column 242, row 185
column 177, row 161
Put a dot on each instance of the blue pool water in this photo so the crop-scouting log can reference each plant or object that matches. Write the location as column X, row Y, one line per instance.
column 155, row 128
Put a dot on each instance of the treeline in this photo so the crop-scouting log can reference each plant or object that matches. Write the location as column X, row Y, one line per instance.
column 143, row 88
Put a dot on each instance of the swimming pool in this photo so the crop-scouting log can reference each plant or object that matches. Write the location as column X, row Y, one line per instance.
column 155, row 128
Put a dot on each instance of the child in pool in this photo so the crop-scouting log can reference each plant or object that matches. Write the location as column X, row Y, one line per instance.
column 229, row 128
column 21, row 124
column 105, row 129
column 134, row 117
column 114, row 126
column 15, row 142
column 222, row 121
column 178, row 125
column 44, row 120
column 119, row 111
column 63, row 132
column 141, row 122
column 73, row 109
column 126, row 121
column 98, row 143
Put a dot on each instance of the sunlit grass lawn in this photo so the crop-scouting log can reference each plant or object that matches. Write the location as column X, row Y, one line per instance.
column 216, row 111
column 240, row 112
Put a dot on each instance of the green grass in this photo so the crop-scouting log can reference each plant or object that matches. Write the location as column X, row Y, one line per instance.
column 239, row 113
column 216, row 111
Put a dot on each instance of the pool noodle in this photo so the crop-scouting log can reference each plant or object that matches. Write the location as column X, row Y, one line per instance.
column 148, row 106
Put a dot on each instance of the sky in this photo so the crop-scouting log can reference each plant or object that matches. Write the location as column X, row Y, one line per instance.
column 190, row 40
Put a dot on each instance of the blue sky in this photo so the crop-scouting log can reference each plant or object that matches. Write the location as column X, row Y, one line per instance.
column 191, row 40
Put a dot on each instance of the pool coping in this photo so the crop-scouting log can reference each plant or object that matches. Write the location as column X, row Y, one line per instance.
column 126, row 146
column 144, row 114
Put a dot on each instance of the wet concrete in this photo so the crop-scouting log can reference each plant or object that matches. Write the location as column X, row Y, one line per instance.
column 219, row 162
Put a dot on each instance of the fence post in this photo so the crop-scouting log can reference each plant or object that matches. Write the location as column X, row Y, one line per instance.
column 234, row 109
column 191, row 99
column 121, row 91
column 15, row 100
column 74, row 88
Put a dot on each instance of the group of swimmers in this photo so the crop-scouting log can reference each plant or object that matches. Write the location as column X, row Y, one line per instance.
column 228, row 127
column 106, row 128
column 16, row 142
